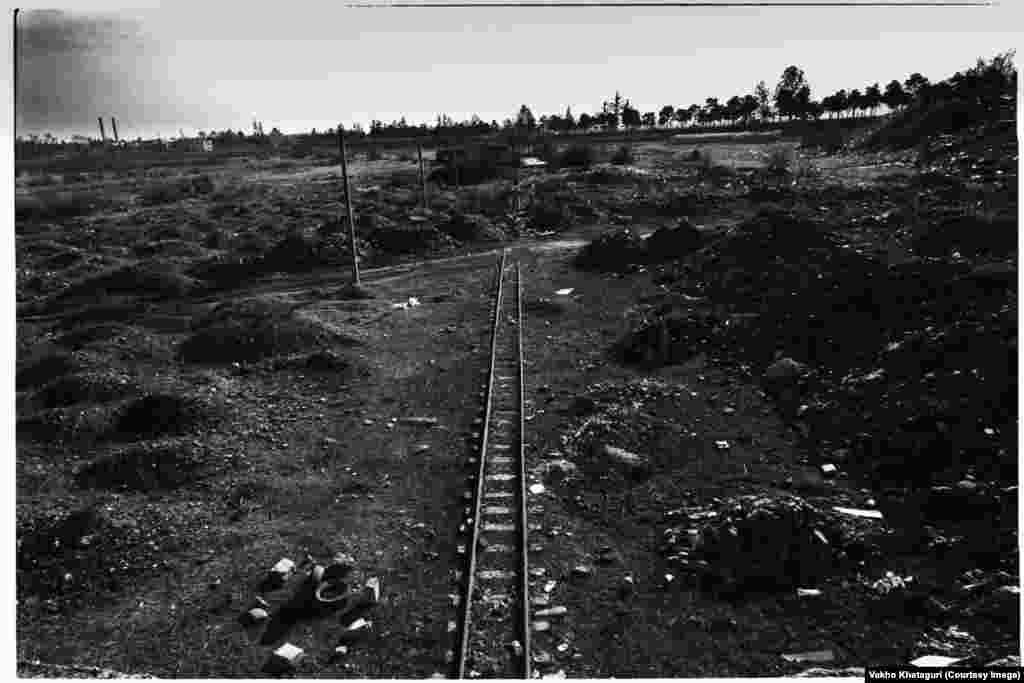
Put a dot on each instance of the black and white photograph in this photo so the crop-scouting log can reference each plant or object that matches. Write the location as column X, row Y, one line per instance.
column 412, row 339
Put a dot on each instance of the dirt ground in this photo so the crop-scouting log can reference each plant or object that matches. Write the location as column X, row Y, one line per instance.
column 200, row 395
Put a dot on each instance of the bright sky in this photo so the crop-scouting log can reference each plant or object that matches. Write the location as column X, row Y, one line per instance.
column 297, row 65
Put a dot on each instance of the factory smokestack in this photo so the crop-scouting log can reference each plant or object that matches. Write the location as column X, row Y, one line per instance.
column 103, row 133
column 113, row 125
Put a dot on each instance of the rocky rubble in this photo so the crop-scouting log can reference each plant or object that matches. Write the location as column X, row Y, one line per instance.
column 768, row 542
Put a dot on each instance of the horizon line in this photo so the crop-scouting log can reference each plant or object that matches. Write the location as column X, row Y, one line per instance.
column 671, row 3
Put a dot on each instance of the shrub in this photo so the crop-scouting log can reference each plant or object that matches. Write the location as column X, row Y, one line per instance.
column 579, row 155
column 780, row 160
column 623, row 156
column 55, row 205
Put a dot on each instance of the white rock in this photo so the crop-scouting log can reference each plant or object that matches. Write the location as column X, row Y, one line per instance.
column 289, row 654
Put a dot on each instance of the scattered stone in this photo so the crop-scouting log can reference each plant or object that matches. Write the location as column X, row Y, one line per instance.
column 420, row 421
column 284, row 659
column 550, row 586
column 542, row 600
column 867, row 514
column 1012, row 661
column 829, row 470
column 516, row 648
column 536, row 489
column 722, row 445
column 808, row 593
column 934, row 661
column 372, row 590
column 582, row 571
column 256, row 615
column 280, row 573
column 629, row 461
column 341, row 650
column 541, row 626
column 357, row 629
column 421, row 448
column 552, row 612
column 541, row 657
column 814, row 657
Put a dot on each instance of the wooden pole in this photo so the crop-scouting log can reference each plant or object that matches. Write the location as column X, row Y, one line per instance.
column 348, row 206
column 423, row 177
column 15, row 128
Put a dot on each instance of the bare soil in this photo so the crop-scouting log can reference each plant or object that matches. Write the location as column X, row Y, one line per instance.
column 200, row 393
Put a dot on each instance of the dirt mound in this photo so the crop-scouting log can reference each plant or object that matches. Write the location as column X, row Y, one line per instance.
column 409, row 238
column 252, row 330
column 73, row 557
column 92, row 387
column 969, row 236
column 162, row 414
column 84, row 335
column 296, row 253
column 471, row 228
column 761, row 542
column 46, row 365
column 617, row 250
column 169, row 248
column 663, row 337
column 542, row 306
column 143, row 468
column 676, row 242
column 550, row 213
column 149, row 279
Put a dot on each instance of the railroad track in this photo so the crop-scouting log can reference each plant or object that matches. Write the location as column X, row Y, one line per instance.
column 494, row 639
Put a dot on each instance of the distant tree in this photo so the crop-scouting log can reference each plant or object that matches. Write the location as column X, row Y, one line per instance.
column 854, row 102
column 733, row 109
column 835, row 104
column 802, row 102
column 872, row 98
column 683, row 116
column 585, row 121
column 914, row 84
column 764, row 100
column 525, row 118
column 711, row 112
column 568, row 122
column 650, row 119
column 630, row 116
column 665, row 115
column 748, row 107
column 786, row 92
column 894, row 96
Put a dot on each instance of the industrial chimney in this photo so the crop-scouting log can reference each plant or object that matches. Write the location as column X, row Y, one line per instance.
column 103, row 133
column 113, row 125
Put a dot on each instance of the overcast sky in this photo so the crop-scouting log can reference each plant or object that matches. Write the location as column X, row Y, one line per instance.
column 297, row 65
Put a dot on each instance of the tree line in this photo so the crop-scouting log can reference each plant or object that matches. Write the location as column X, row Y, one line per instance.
column 791, row 99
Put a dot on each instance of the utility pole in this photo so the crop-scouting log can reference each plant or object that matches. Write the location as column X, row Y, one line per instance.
column 348, row 206
column 103, row 133
column 113, row 124
column 423, row 178
column 16, row 10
